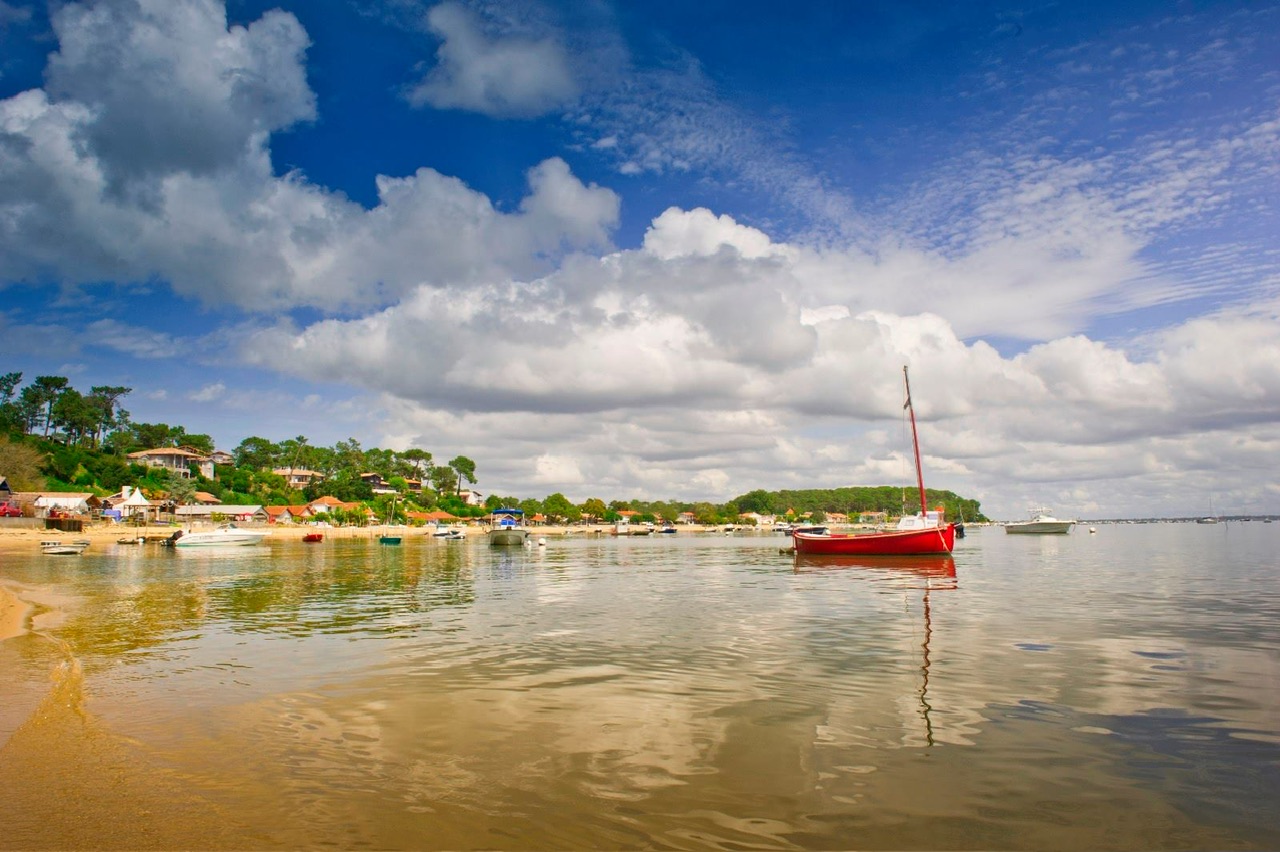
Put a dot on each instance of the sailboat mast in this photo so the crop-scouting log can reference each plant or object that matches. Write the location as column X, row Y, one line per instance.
column 915, row 441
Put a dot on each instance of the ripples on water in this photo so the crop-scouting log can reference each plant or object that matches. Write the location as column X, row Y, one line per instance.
column 1109, row 691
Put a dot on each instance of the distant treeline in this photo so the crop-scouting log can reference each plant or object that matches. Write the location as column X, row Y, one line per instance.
column 54, row 438
column 857, row 499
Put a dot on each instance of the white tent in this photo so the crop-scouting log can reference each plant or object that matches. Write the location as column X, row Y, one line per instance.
column 134, row 503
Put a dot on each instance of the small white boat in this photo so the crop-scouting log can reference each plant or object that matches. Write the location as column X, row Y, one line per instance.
column 1041, row 523
column 56, row 547
column 228, row 535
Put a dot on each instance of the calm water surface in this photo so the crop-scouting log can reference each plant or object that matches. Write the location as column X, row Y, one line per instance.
column 1110, row 691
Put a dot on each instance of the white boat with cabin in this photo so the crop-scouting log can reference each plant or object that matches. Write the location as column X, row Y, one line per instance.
column 227, row 535
column 1041, row 523
column 508, row 529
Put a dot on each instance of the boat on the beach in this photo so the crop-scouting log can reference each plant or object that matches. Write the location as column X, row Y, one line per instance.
column 1041, row 523
column 507, row 529
column 58, row 547
column 924, row 533
column 227, row 535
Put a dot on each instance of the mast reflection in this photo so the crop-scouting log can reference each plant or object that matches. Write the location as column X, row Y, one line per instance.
column 931, row 572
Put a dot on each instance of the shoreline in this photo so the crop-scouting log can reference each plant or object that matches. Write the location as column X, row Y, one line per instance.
column 29, row 538
column 14, row 612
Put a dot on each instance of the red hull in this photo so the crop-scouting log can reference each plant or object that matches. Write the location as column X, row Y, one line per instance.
column 938, row 569
column 891, row 543
column 313, row 537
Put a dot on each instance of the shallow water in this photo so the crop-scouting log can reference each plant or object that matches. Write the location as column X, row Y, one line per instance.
column 1110, row 691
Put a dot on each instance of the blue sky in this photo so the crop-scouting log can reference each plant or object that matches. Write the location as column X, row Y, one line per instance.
column 667, row 250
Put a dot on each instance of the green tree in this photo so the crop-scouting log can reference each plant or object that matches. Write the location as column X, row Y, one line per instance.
column 294, row 453
column 21, row 463
column 74, row 415
column 349, row 456
column 757, row 501
column 705, row 513
column 149, row 436
column 64, row 464
column 109, row 472
column 47, row 390
column 255, row 453
column 444, row 480
column 181, row 489
column 419, row 460
column 199, row 442
column 105, row 400
column 558, row 506
column 9, row 386
column 10, row 414
column 594, row 507
column 466, row 470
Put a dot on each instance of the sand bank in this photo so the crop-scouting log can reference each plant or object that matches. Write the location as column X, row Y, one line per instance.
column 13, row 614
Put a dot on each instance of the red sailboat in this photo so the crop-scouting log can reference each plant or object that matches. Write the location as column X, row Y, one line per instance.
column 921, row 534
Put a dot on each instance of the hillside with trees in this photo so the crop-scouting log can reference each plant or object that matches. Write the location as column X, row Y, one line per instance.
column 54, row 437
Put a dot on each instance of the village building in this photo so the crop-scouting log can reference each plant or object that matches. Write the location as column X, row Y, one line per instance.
column 377, row 483
column 177, row 460
column 52, row 503
column 288, row 514
column 244, row 514
column 297, row 477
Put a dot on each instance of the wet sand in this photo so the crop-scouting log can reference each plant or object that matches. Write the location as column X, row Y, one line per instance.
column 13, row 614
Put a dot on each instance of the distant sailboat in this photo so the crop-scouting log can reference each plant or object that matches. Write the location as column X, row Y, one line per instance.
column 1211, row 518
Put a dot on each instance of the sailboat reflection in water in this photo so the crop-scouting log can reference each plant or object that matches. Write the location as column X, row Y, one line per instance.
column 928, row 573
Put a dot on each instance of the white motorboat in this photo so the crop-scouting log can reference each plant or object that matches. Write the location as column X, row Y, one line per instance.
column 228, row 535
column 58, row 547
column 507, row 530
column 1041, row 523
